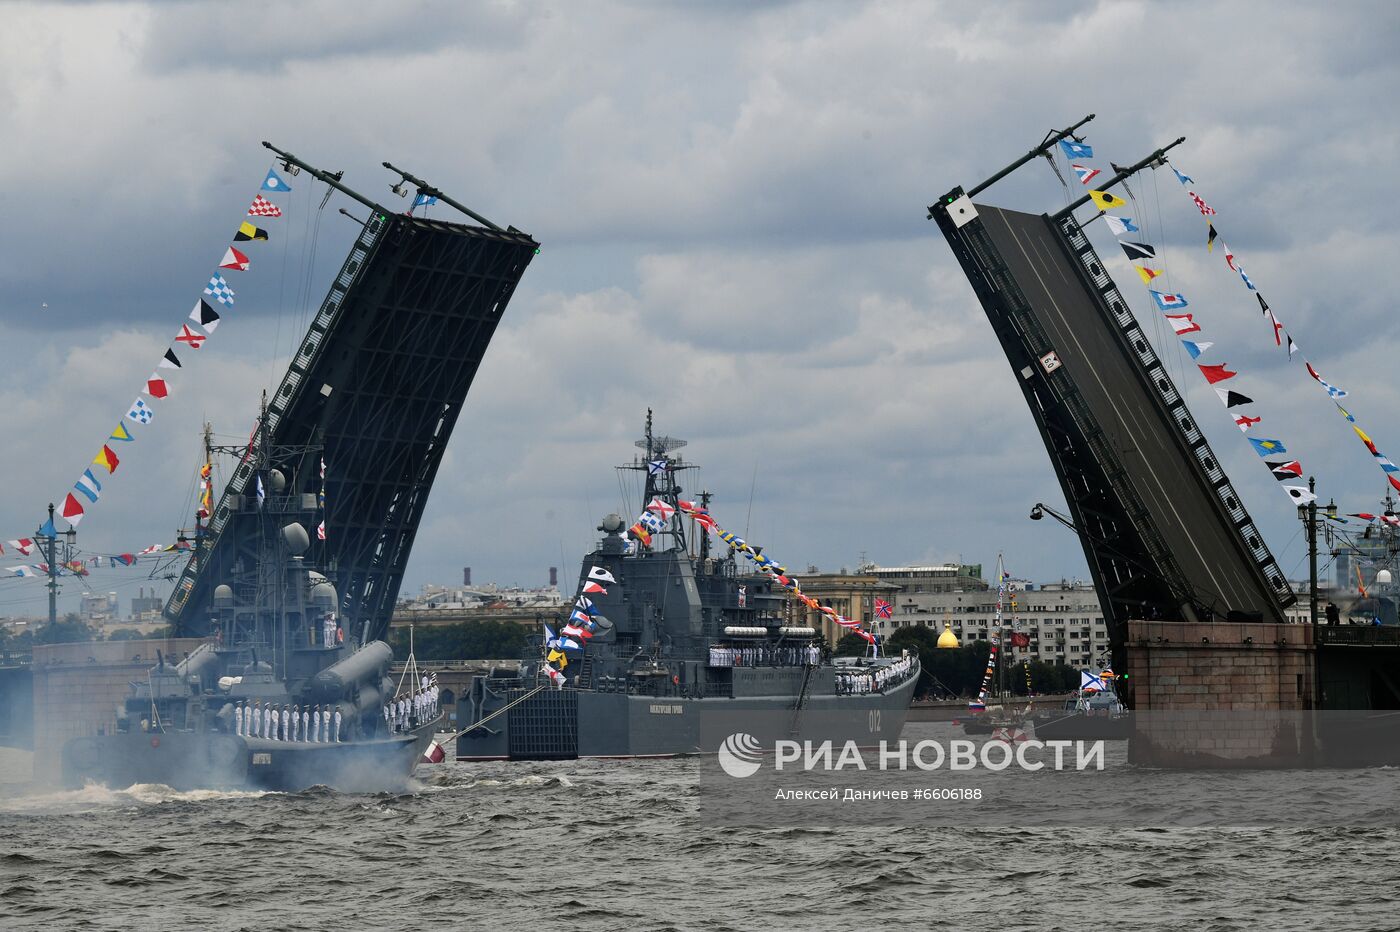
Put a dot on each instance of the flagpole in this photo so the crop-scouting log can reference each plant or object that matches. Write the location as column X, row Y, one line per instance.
column 1039, row 150
column 425, row 188
column 1158, row 156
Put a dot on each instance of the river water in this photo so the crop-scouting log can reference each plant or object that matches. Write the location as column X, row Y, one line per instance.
column 623, row 845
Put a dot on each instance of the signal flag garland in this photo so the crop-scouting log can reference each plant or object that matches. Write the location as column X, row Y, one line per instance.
column 1281, row 336
column 193, row 336
column 1185, row 323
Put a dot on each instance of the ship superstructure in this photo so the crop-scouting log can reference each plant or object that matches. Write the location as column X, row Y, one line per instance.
column 685, row 641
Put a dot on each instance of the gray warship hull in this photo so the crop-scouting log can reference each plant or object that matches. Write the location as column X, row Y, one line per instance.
column 191, row 760
column 578, row 723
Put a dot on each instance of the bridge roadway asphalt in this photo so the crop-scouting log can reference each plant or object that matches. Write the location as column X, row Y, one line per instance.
column 1162, row 468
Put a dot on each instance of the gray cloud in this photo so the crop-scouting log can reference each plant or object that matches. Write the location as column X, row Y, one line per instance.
column 730, row 199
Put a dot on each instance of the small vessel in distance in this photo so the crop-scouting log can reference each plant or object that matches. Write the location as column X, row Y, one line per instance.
column 689, row 645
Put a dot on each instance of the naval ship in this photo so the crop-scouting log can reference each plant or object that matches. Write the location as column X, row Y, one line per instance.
column 689, row 645
column 277, row 644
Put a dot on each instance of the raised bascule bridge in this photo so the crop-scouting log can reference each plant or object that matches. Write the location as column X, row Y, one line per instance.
column 1190, row 591
column 374, row 391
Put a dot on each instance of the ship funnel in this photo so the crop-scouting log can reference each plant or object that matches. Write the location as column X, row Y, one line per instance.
column 296, row 537
column 277, row 480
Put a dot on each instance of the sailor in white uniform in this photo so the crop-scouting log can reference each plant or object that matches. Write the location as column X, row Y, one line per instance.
column 305, row 721
column 336, row 723
column 267, row 721
column 238, row 719
column 326, row 721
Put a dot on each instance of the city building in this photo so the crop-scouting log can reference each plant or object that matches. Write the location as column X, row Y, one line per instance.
column 450, row 605
column 1063, row 620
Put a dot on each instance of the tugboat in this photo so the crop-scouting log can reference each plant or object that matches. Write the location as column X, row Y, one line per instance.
column 686, row 645
column 281, row 697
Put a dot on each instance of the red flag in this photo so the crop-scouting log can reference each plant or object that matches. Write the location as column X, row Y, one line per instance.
column 434, row 754
column 1019, row 639
column 1216, row 373
column 157, row 387
column 594, row 587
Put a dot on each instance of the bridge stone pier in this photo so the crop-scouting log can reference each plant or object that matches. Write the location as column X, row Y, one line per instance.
column 1221, row 694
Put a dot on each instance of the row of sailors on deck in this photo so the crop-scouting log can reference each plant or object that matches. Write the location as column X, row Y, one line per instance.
column 764, row 656
column 873, row 681
column 287, row 722
column 408, row 710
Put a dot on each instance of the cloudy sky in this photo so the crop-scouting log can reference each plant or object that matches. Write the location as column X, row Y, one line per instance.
column 731, row 201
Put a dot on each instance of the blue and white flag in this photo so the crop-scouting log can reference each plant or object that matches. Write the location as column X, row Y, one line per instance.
column 261, row 494
column 1167, row 301
column 89, row 486
column 220, row 291
column 1120, row 225
column 1076, row 150
column 274, row 182
column 141, row 412
column 1184, row 179
column 1091, row 681
column 1196, row 349
column 586, row 604
column 656, row 467
column 424, row 200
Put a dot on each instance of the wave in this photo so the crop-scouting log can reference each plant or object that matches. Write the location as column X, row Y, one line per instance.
column 95, row 796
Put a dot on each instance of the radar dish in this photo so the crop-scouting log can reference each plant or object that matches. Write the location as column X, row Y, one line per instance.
column 661, row 445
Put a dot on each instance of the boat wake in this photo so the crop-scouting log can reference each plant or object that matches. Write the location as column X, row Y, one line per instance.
column 94, row 796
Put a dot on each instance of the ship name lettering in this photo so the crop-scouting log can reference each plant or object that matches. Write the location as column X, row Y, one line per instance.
column 664, row 709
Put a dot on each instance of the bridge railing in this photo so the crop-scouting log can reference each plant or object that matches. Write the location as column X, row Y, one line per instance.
column 1359, row 635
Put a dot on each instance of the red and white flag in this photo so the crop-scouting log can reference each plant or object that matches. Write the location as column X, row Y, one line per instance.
column 157, row 387
column 262, row 207
column 190, row 337
column 590, row 587
column 233, row 259
column 321, row 531
column 434, row 754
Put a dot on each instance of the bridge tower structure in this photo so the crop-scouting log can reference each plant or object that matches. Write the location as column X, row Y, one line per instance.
column 374, row 391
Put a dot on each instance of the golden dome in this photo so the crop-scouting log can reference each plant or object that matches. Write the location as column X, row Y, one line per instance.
column 948, row 638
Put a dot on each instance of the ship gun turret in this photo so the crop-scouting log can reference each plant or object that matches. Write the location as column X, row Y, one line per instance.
column 357, row 678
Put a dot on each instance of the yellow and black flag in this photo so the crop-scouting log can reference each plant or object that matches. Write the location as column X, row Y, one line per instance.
column 1105, row 201
column 247, row 231
column 1210, row 237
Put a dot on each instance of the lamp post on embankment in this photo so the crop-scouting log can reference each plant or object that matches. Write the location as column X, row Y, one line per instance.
column 1308, row 514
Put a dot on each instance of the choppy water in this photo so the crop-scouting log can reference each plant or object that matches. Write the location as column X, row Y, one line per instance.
column 619, row 845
